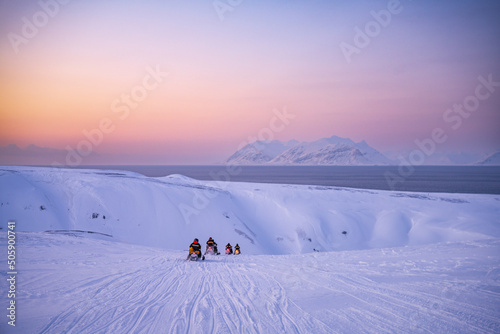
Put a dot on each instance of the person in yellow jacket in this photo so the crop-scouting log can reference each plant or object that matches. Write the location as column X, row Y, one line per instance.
column 195, row 248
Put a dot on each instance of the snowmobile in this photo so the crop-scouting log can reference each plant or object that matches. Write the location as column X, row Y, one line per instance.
column 194, row 257
column 229, row 251
column 210, row 250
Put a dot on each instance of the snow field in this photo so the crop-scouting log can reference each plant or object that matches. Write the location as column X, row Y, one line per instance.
column 76, row 284
column 104, row 252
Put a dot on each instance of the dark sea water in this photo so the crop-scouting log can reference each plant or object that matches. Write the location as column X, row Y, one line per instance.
column 447, row 179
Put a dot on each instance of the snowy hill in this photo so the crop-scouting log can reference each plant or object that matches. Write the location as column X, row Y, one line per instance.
column 401, row 262
column 492, row 160
column 169, row 212
column 326, row 151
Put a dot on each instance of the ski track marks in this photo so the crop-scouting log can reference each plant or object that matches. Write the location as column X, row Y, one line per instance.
column 166, row 295
column 407, row 302
column 120, row 303
column 134, row 289
column 226, row 297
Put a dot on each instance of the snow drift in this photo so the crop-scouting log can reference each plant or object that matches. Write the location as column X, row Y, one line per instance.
column 169, row 212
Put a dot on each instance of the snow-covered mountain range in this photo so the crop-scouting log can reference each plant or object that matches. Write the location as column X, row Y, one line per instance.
column 326, row 151
column 492, row 159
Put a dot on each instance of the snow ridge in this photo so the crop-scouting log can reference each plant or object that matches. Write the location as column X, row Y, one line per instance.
column 169, row 212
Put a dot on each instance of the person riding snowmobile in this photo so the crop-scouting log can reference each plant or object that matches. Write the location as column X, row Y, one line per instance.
column 229, row 249
column 211, row 243
column 195, row 248
column 237, row 249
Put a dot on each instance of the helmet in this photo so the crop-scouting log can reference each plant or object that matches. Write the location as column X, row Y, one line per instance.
column 210, row 238
column 196, row 239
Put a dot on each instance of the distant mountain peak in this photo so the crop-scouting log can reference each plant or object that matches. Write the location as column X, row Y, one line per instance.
column 325, row 151
column 492, row 159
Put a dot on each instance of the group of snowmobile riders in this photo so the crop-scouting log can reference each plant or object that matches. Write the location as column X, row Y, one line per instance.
column 195, row 248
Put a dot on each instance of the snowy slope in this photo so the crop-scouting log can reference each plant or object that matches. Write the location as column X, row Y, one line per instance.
column 169, row 212
column 407, row 262
column 73, row 284
column 326, row 151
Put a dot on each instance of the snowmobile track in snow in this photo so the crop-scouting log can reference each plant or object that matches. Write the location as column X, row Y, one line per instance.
column 135, row 289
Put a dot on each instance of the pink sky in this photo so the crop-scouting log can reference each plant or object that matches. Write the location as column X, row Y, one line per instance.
column 225, row 77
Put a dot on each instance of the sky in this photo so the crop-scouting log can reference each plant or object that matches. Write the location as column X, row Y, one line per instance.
column 190, row 82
